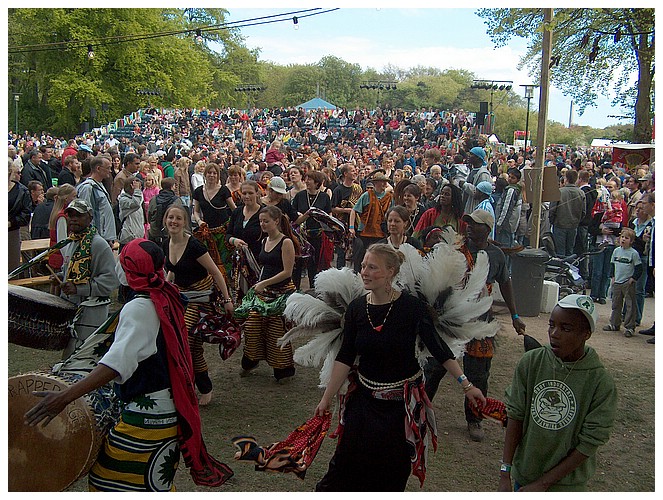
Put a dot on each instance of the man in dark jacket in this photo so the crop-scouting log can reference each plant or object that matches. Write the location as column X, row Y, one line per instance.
column 157, row 208
column 35, row 170
column 582, row 237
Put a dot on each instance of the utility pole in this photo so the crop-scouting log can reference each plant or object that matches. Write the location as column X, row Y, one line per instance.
column 571, row 114
column 537, row 173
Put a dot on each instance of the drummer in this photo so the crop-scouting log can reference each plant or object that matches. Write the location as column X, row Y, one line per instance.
column 88, row 273
column 150, row 362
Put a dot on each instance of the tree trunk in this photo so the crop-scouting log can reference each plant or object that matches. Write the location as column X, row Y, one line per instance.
column 642, row 129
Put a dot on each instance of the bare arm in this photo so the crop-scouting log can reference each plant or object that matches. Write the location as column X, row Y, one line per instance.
column 339, row 374
column 206, row 261
column 54, row 402
column 512, row 438
column 288, row 259
column 507, row 293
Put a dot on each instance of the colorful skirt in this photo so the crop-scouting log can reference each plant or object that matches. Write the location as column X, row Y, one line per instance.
column 141, row 453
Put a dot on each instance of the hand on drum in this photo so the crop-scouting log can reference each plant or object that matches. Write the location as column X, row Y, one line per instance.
column 48, row 408
column 68, row 288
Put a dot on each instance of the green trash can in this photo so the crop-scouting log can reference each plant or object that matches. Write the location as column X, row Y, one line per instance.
column 527, row 270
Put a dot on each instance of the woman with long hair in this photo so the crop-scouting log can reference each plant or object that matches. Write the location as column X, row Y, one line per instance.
column 57, row 228
column 263, row 309
column 244, row 236
column 213, row 204
column 409, row 197
column 192, row 269
column 296, row 176
column 381, row 442
column 448, row 211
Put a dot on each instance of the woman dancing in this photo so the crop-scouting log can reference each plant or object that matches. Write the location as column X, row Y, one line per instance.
column 192, row 269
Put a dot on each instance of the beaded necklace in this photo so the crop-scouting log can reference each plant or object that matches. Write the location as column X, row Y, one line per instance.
column 368, row 314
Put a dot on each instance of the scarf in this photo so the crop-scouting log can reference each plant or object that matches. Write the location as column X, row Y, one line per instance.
column 143, row 261
column 80, row 267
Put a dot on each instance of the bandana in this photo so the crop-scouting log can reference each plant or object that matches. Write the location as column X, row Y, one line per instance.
column 80, row 267
column 143, row 261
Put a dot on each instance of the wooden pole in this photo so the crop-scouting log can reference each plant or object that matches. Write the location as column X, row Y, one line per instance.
column 537, row 173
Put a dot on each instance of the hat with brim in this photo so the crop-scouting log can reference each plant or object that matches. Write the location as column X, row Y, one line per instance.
column 80, row 206
column 277, row 184
column 480, row 216
column 584, row 304
column 485, row 187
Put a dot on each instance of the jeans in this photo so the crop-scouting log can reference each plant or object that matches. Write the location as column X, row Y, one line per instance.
column 601, row 272
column 565, row 239
column 640, row 294
column 508, row 240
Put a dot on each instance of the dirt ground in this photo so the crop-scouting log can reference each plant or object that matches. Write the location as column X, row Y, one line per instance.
column 258, row 406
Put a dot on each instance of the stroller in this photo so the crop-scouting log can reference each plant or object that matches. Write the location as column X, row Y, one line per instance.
column 565, row 271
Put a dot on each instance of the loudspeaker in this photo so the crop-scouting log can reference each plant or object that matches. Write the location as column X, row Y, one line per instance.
column 481, row 118
column 483, row 108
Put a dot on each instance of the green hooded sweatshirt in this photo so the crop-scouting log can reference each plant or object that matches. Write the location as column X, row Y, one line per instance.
column 563, row 406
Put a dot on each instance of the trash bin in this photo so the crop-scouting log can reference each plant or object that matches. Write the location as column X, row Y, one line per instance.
column 527, row 270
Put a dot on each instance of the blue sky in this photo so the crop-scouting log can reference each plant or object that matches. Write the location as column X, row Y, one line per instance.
column 405, row 38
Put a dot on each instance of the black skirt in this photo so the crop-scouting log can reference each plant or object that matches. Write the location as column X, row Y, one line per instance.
column 372, row 454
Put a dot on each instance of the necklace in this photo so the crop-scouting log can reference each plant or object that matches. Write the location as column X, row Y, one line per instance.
column 570, row 369
column 368, row 314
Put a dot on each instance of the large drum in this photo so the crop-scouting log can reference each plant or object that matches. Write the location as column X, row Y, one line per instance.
column 53, row 457
column 38, row 319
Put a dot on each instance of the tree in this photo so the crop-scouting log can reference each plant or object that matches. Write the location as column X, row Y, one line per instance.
column 595, row 51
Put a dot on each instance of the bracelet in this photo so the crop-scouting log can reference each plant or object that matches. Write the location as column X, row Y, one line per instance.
column 504, row 467
column 461, row 378
column 228, row 300
column 515, row 316
column 467, row 387
column 351, row 227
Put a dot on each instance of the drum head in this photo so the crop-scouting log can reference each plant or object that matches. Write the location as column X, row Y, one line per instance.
column 53, row 457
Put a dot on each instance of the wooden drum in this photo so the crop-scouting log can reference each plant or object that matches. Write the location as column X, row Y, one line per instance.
column 51, row 458
column 38, row 319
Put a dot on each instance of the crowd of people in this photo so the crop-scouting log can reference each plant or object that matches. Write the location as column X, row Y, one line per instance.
column 238, row 206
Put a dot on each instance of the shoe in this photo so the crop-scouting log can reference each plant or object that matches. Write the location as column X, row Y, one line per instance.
column 476, row 432
column 651, row 340
column 610, row 328
column 628, row 333
column 594, row 299
column 648, row 331
column 205, row 399
column 602, row 301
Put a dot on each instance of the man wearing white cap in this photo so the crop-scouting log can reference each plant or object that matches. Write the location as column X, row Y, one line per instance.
column 561, row 406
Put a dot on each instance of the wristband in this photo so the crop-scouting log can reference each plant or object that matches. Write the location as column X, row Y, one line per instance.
column 505, row 467
column 461, row 378
column 351, row 227
column 515, row 316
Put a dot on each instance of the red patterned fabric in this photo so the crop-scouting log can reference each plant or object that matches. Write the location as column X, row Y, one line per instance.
column 219, row 329
column 294, row 454
column 494, row 409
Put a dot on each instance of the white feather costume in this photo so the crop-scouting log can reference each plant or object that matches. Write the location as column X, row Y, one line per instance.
column 442, row 279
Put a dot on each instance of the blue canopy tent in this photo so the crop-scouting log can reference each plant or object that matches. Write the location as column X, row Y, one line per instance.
column 316, row 103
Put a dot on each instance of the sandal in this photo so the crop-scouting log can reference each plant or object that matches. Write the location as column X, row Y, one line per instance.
column 610, row 328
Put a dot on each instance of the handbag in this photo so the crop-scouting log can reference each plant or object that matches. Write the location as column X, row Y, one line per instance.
column 215, row 328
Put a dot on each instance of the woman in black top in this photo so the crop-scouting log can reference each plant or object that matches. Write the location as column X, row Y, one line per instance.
column 212, row 204
column 313, row 196
column 263, row 307
column 192, row 269
column 398, row 221
column 20, row 210
column 381, row 443
column 245, row 235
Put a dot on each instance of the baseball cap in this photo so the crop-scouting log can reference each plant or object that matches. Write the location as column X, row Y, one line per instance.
column 277, row 184
column 85, row 147
column 80, row 206
column 584, row 304
column 480, row 152
column 481, row 217
column 485, row 187
column 646, row 177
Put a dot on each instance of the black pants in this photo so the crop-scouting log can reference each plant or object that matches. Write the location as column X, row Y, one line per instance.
column 477, row 371
column 311, row 263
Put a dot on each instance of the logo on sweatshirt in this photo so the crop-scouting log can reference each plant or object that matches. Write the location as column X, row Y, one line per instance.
column 554, row 405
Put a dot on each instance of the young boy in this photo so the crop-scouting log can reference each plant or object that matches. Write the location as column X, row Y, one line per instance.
column 625, row 270
column 561, row 406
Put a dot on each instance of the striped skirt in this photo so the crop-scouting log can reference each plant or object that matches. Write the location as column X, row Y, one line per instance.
column 141, row 453
column 262, row 331
column 191, row 318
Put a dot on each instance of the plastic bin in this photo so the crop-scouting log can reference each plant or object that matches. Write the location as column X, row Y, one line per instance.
column 550, row 296
column 527, row 270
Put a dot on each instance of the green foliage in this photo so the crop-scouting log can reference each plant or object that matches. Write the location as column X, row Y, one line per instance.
column 594, row 58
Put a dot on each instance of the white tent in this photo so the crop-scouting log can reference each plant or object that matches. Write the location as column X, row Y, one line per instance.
column 601, row 143
column 493, row 138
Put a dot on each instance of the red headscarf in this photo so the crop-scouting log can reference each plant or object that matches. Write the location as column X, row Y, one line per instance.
column 143, row 261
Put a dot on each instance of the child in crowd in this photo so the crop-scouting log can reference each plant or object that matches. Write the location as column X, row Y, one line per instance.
column 613, row 217
column 626, row 268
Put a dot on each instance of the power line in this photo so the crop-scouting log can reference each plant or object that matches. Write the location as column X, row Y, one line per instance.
column 113, row 40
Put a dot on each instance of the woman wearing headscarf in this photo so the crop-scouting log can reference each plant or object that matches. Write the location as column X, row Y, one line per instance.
column 150, row 363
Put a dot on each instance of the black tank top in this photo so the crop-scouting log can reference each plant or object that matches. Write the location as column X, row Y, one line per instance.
column 272, row 261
